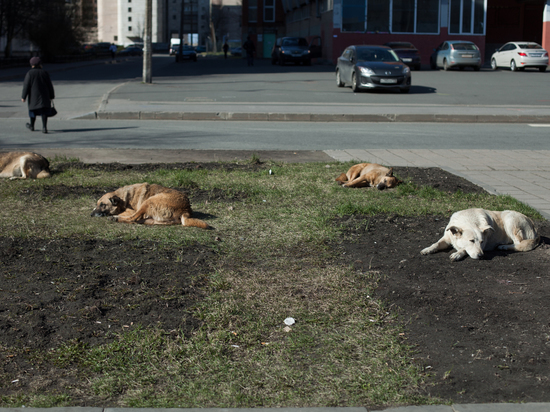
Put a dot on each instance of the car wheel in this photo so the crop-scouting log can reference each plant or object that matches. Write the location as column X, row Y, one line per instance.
column 494, row 64
column 445, row 65
column 513, row 66
column 433, row 65
column 354, row 84
column 339, row 81
column 542, row 69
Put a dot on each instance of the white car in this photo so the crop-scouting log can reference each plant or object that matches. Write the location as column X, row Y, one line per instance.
column 517, row 55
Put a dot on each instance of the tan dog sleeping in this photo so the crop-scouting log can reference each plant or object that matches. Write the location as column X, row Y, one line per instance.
column 148, row 204
column 24, row 165
column 473, row 231
column 368, row 174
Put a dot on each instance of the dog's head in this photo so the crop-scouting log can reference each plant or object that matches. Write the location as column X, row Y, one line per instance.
column 388, row 181
column 108, row 205
column 472, row 240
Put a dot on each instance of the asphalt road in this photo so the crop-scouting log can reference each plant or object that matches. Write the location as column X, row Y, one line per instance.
column 84, row 89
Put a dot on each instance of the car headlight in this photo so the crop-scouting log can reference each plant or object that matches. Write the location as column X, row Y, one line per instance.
column 406, row 70
column 365, row 71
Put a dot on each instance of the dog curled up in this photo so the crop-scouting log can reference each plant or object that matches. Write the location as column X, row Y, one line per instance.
column 473, row 231
column 24, row 165
column 148, row 204
column 368, row 174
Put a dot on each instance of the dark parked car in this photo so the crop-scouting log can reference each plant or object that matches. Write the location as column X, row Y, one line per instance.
column 131, row 51
column 406, row 52
column 291, row 50
column 372, row 67
column 188, row 53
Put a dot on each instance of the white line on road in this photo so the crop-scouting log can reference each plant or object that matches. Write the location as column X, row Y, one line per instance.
column 539, row 125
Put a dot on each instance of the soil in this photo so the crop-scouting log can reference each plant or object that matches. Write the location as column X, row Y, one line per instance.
column 479, row 329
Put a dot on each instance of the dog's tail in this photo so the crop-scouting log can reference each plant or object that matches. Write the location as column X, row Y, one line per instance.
column 189, row 221
column 43, row 174
column 342, row 178
column 526, row 245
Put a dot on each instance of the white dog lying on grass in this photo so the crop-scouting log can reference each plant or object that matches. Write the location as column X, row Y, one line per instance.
column 473, row 231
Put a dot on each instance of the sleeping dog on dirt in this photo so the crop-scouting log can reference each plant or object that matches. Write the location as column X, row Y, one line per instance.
column 473, row 231
column 24, row 165
column 368, row 174
column 148, row 204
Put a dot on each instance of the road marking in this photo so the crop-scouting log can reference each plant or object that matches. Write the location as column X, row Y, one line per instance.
column 539, row 125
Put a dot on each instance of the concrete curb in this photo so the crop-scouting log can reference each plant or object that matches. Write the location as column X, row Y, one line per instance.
column 312, row 117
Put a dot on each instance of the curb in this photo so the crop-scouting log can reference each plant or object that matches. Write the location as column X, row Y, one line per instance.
column 312, row 117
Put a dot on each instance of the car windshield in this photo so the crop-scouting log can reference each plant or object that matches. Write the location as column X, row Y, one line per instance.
column 529, row 46
column 295, row 42
column 376, row 55
column 188, row 48
column 464, row 46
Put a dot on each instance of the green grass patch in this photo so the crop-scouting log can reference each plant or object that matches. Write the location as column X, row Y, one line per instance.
column 345, row 348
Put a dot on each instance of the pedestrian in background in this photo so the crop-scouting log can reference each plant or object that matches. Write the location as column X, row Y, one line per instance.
column 249, row 47
column 113, row 49
column 38, row 88
column 225, row 49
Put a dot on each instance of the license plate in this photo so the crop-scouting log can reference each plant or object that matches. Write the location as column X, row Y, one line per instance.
column 535, row 54
column 407, row 60
column 467, row 55
column 388, row 81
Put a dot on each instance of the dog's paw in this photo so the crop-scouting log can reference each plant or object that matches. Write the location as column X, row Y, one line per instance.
column 503, row 247
column 112, row 218
column 456, row 256
column 426, row 251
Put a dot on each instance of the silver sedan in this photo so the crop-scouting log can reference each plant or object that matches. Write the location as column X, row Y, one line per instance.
column 517, row 55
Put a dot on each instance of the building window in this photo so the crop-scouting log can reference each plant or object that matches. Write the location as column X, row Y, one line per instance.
column 129, row 9
column 467, row 16
column 129, row 18
column 129, row 28
column 394, row 16
column 353, row 15
column 252, row 11
column 115, row 38
column 269, row 10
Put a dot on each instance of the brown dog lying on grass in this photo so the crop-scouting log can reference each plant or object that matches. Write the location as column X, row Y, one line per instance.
column 148, row 204
column 24, row 165
column 368, row 174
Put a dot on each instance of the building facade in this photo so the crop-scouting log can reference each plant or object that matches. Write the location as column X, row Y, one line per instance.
column 337, row 24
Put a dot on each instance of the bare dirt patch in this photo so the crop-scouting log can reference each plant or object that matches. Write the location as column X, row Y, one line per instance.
column 480, row 329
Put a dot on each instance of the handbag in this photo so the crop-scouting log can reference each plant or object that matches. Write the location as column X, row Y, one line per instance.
column 53, row 110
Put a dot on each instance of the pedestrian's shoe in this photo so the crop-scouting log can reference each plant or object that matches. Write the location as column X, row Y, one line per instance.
column 31, row 128
column 44, row 130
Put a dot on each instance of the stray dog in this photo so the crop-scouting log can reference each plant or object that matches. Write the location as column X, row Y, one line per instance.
column 24, row 165
column 473, row 231
column 147, row 204
column 368, row 174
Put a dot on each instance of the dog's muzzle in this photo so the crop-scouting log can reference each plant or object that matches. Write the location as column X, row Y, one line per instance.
column 98, row 213
column 381, row 186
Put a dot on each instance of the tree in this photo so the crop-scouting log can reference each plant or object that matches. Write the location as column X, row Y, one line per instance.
column 14, row 17
column 53, row 27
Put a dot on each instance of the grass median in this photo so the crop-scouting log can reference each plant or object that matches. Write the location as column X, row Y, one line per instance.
column 271, row 256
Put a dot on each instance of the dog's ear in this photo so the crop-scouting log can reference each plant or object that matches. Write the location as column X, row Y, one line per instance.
column 390, row 172
column 115, row 200
column 486, row 228
column 456, row 231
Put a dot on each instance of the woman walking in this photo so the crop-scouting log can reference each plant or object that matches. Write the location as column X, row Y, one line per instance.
column 38, row 88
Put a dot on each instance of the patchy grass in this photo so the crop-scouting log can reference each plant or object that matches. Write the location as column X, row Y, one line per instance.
column 273, row 262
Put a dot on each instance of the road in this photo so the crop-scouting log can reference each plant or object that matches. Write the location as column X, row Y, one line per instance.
column 231, row 83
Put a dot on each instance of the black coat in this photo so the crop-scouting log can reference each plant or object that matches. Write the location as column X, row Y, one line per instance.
column 38, row 88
